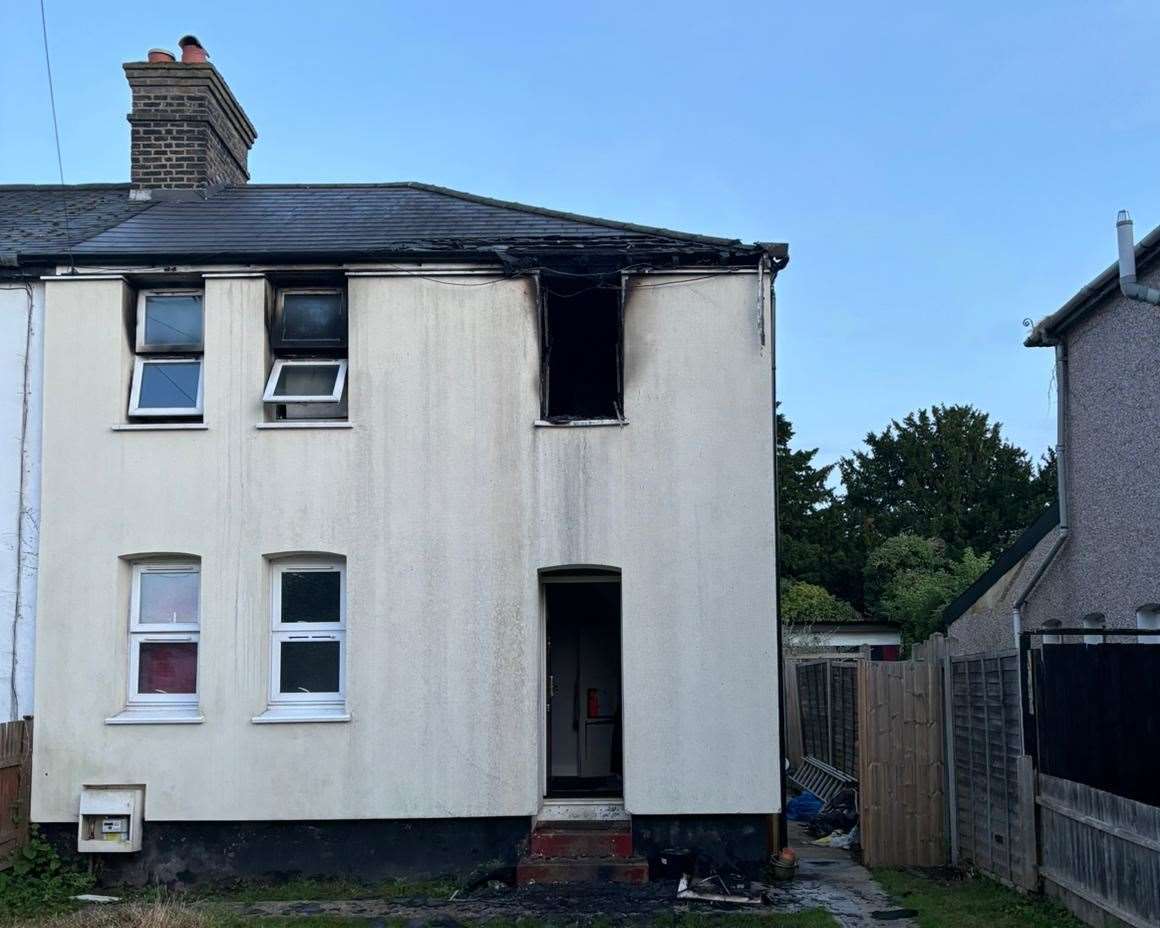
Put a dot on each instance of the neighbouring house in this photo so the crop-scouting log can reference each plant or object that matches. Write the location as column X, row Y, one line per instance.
column 858, row 636
column 1090, row 560
column 381, row 524
column 32, row 219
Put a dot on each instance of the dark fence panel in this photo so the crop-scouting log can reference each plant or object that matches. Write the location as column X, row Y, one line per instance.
column 828, row 704
column 814, row 709
column 1097, row 715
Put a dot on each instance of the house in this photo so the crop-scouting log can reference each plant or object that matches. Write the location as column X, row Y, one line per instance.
column 1090, row 559
column 381, row 524
column 31, row 219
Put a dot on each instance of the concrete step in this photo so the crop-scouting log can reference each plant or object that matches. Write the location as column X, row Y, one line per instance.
column 581, row 870
column 572, row 841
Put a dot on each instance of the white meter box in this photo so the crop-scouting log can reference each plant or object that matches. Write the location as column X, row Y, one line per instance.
column 111, row 819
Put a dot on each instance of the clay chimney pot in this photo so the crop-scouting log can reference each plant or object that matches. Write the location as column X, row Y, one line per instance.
column 191, row 50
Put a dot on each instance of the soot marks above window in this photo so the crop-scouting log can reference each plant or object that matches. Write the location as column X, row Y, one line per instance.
column 308, row 339
column 582, row 348
column 168, row 340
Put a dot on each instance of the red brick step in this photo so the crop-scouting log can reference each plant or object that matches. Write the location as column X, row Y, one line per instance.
column 568, row 841
column 581, row 870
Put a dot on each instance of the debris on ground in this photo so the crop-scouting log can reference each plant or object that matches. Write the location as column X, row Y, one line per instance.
column 716, row 888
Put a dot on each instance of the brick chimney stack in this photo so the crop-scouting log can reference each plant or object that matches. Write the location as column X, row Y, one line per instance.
column 188, row 130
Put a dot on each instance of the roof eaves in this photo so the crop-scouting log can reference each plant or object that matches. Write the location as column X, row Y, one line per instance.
column 1046, row 332
column 1023, row 546
column 577, row 217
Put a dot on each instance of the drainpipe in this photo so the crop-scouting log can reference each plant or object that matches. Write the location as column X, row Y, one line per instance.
column 1061, row 396
column 774, row 264
column 1125, row 240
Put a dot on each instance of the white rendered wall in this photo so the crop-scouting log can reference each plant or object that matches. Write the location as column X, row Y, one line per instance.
column 445, row 500
column 21, row 334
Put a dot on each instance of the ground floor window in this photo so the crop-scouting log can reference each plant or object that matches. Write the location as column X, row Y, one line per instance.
column 308, row 638
column 164, row 633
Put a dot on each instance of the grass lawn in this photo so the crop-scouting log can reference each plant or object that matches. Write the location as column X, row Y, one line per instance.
column 970, row 902
column 180, row 915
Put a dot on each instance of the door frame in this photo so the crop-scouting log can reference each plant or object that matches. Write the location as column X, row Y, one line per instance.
column 567, row 573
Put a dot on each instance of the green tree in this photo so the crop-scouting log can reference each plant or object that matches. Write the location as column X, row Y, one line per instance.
column 804, row 603
column 911, row 580
column 945, row 473
column 803, row 494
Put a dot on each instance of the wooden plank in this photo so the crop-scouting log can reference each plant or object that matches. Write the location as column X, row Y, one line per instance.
column 15, row 787
column 1101, row 848
column 793, row 714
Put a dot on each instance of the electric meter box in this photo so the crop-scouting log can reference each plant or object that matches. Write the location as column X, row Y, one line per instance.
column 110, row 819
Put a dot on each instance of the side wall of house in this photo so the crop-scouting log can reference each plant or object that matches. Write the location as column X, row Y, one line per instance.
column 21, row 331
column 445, row 501
column 1111, row 563
column 987, row 624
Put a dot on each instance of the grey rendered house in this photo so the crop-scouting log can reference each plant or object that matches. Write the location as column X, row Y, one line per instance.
column 1093, row 558
column 386, row 529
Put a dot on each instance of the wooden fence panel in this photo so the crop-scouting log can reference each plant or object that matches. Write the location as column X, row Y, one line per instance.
column 992, row 792
column 1100, row 853
column 902, row 764
column 15, row 787
column 813, row 698
column 844, row 717
column 825, row 711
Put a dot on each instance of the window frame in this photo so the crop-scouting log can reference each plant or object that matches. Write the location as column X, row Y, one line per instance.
column 162, row 632
column 281, row 632
column 281, row 346
column 152, row 412
column 140, row 347
column 335, row 396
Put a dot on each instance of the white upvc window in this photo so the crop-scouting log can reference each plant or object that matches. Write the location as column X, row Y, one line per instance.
column 166, row 387
column 164, row 631
column 168, row 343
column 169, row 321
column 306, row 381
column 307, row 640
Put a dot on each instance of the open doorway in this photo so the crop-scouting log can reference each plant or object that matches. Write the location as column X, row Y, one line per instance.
column 584, row 739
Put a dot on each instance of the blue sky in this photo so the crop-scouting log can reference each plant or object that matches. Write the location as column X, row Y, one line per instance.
column 941, row 171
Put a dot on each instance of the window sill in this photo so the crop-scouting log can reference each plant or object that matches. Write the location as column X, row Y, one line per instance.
column 307, row 424
column 159, row 426
column 579, row 423
column 290, row 714
column 157, row 715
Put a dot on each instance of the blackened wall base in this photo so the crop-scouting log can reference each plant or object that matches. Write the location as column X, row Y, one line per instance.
column 191, row 852
column 187, row 853
column 713, row 842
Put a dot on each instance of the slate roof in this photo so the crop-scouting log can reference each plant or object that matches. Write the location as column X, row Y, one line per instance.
column 33, row 216
column 352, row 221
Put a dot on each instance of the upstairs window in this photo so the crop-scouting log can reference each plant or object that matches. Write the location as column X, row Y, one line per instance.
column 164, row 630
column 308, row 338
column 582, row 349
column 169, row 342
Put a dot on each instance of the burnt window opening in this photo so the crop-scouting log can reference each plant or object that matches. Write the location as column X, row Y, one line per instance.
column 583, row 336
column 309, row 343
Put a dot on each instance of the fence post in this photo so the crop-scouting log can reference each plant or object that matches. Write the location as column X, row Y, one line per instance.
column 829, row 716
column 949, row 740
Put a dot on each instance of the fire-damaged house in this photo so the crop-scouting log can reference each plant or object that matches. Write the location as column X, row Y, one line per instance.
column 387, row 529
